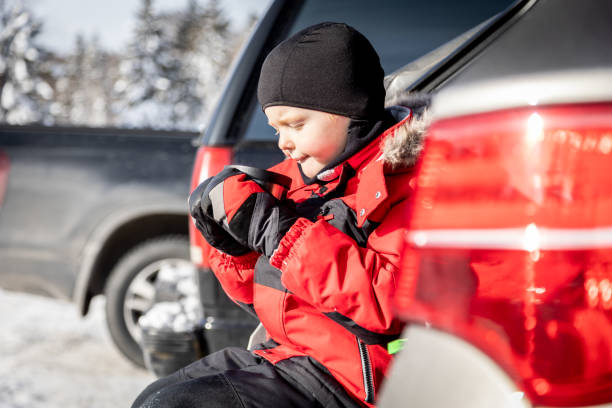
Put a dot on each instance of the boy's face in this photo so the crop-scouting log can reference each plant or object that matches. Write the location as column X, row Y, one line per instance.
column 311, row 137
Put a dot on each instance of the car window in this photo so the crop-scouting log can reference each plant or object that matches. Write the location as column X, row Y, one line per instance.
column 401, row 31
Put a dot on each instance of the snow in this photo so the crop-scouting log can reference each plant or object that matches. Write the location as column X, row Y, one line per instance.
column 183, row 312
column 50, row 357
column 8, row 96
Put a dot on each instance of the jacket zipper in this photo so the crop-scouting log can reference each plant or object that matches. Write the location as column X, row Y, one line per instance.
column 366, row 369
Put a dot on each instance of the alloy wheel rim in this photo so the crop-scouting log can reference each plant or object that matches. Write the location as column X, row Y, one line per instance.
column 140, row 294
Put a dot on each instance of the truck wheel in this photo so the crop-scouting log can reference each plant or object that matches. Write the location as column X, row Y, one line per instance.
column 130, row 289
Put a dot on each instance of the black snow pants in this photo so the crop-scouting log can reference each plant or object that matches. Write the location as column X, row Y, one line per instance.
column 237, row 378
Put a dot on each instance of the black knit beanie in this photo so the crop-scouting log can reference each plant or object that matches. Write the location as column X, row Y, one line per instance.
column 328, row 67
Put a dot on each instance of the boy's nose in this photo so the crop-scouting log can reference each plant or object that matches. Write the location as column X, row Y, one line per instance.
column 285, row 143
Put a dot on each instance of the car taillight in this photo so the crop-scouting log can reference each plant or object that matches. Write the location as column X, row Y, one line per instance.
column 4, row 169
column 209, row 161
column 511, row 245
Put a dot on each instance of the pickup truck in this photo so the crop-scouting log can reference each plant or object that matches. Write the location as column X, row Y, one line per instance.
column 89, row 211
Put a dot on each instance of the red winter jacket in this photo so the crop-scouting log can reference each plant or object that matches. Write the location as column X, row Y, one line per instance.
column 327, row 294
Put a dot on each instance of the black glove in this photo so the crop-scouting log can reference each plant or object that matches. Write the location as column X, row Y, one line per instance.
column 267, row 220
column 212, row 232
column 243, row 210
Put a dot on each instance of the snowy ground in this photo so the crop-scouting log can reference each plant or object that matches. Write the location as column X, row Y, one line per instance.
column 50, row 357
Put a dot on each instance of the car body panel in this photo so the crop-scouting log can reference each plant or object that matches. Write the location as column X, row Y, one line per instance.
column 543, row 72
column 65, row 183
column 436, row 369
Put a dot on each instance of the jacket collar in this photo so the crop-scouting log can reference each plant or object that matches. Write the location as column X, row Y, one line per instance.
column 397, row 147
column 372, row 189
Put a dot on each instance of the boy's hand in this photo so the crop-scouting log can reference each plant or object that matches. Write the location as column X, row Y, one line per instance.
column 249, row 214
column 216, row 236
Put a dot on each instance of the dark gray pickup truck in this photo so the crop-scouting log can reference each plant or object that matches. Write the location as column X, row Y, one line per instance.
column 94, row 211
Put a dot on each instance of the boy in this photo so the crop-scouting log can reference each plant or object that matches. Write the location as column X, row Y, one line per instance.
column 317, row 268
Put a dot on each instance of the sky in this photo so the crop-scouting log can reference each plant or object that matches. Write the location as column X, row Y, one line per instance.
column 112, row 20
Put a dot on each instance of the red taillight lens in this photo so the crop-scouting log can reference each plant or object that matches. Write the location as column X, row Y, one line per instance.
column 4, row 169
column 511, row 245
column 209, row 161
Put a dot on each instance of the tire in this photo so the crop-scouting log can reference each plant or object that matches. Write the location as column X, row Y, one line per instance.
column 130, row 289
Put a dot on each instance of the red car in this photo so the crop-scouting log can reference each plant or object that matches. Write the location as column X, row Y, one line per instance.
column 507, row 278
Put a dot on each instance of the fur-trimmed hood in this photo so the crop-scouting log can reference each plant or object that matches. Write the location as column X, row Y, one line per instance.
column 403, row 147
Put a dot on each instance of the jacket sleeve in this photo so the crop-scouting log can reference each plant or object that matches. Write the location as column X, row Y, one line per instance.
column 351, row 284
column 235, row 273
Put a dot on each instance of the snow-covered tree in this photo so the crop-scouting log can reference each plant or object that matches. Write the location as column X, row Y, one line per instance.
column 187, row 93
column 147, row 72
column 169, row 76
column 175, row 66
column 209, row 55
column 84, row 84
column 25, row 83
